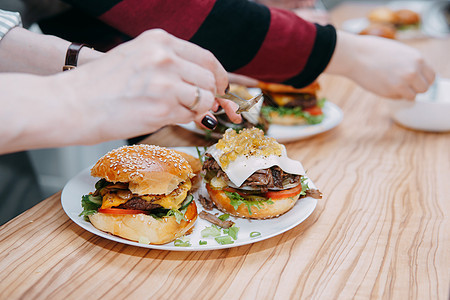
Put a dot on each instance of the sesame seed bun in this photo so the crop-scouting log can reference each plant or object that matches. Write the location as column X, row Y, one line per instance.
column 287, row 120
column 196, row 166
column 382, row 15
column 149, row 169
column 145, row 228
column 267, row 211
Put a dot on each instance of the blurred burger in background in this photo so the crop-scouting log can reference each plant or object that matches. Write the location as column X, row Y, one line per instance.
column 401, row 19
column 385, row 22
column 379, row 29
column 286, row 105
column 407, row 19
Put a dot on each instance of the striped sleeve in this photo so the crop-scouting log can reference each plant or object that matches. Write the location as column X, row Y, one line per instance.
column 8, row 20
column 248, row 38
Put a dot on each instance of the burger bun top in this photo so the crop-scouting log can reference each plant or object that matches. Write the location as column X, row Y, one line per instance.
column 148, row 169
column 407, row 17
column 282, row 88
column 382, row 15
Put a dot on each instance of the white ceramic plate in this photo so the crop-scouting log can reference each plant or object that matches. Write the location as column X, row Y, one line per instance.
column 429, row 112
column 83, row 183
column 283, row 134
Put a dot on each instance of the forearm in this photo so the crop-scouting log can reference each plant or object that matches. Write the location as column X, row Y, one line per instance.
column 344, row 56
column 123, row 94
column 383, row 66
column 37, row 113
column 23, row 51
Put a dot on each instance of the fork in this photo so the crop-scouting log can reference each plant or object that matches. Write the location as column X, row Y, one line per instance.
column 244, row 105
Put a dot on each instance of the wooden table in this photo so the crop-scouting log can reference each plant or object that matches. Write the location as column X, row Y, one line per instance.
column 381, row 230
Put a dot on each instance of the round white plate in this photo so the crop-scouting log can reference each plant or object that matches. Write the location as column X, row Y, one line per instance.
column 83, row 183
column 429, row 112
column 333, row 116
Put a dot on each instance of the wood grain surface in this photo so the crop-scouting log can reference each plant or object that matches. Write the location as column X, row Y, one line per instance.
column 380, row 232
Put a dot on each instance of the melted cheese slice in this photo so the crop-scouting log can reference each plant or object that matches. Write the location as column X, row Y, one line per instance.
column 282, row 99
column 170, row 201
column 111, row 199
column 174, row 199
column 243, row 167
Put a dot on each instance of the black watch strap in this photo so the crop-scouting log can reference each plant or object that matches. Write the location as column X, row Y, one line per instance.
column 72, row 56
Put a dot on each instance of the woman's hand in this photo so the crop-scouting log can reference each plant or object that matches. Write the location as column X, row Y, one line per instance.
column 385, row 67
column 147, row 83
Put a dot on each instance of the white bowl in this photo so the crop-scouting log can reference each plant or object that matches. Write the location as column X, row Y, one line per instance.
column 429, row 112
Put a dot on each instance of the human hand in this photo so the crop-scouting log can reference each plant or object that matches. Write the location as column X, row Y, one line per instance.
column 385, row 67
column 147, row 83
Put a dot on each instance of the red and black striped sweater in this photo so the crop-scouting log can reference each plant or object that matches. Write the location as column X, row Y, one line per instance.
column 265, row 43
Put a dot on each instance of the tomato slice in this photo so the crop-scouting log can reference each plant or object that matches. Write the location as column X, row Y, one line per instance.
column 284, row 193
column 191, row 212
column 121, row 211
column 313, row 111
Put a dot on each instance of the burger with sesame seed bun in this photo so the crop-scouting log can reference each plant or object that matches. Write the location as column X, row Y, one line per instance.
column 143, row 194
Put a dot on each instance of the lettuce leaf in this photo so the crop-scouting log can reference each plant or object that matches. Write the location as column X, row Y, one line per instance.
column 236, row 200
column 90, row 205
column 296, row 111
column 304, row 184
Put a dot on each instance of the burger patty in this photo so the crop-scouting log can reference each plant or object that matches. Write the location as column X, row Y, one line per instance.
column 140, row 204
column 297, row 100
column 264, row 179
column 303, row 100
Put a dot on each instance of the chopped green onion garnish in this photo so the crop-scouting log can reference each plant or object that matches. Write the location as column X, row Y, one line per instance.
column 200, row 154
column 202, row 242
column 254, row 234
column 232, row 231
column 224, row 240
column 224, row 217
column 181, row 243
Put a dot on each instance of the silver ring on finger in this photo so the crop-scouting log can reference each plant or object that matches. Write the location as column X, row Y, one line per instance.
column 196, row 102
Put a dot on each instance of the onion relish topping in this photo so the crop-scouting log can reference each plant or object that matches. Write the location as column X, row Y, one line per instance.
column 248, row 142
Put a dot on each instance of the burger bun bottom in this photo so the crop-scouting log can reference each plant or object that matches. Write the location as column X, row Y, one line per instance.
column 144, row 228
column 379, row 29
column 287, row 120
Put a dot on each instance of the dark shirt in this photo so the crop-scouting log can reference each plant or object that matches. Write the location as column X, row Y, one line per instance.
column 19, row 189
column 251, row 39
